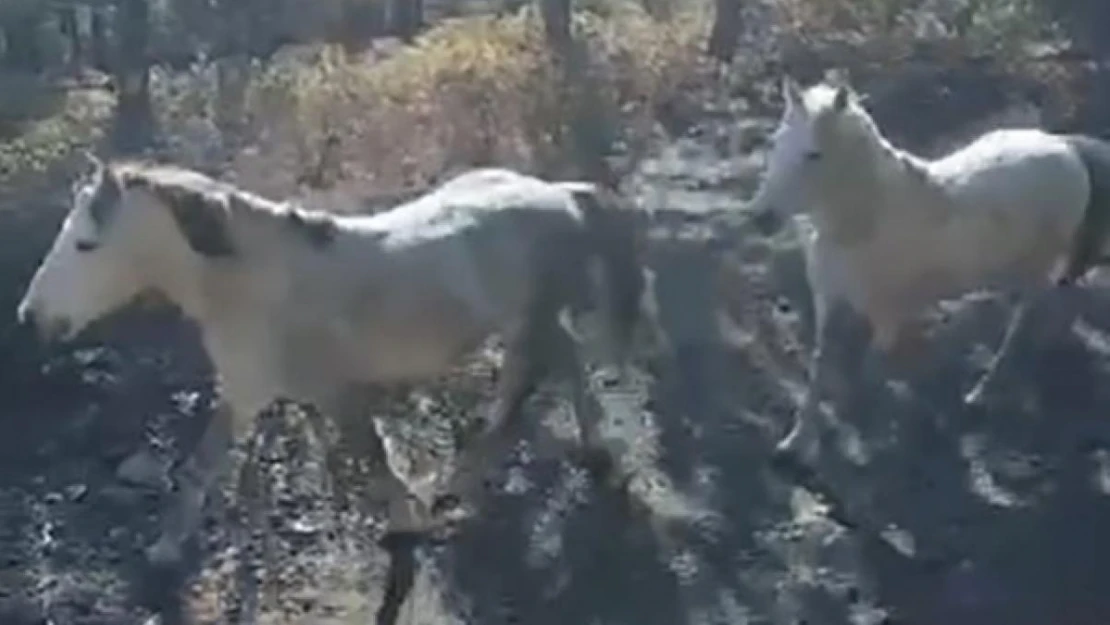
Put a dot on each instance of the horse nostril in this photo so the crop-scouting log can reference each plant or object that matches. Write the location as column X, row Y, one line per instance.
column 766, row 221
column 58, row 330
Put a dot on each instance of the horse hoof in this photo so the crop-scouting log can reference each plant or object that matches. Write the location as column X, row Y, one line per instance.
column 977, row 402
column 975, row 398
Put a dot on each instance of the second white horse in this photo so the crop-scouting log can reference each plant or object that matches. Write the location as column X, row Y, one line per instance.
column 1018, row 210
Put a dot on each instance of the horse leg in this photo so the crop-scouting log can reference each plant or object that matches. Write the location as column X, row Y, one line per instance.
column 567, row 361
column 401, row 575
column 196, row 477
column 978, row 397
column 402, row 508
column 252, row 491
column 798, row 451
column 523, row 366
column 1052, row 308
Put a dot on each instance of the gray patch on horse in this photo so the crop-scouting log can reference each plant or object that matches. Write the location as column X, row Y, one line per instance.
column 318, row 228
column 1094, row 230
column 201, row 217
column 105, row 199
column 615, row 236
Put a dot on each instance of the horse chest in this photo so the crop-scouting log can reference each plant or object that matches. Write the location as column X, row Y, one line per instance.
column 885, row 279
column 862, row 275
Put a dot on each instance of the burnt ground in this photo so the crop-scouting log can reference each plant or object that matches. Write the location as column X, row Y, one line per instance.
column 966, row 518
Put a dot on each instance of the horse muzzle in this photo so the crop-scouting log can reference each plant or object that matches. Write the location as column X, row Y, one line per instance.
column 47, row 329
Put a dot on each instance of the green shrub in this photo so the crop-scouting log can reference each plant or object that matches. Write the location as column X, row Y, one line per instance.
column 80, row 120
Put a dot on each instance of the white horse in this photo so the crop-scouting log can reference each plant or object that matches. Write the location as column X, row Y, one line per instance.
column 1020, row 211
column 312, row 307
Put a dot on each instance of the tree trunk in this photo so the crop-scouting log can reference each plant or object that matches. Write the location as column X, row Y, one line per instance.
column 556, row 23
column 134, row 121
column 725, row 36
column 587, row 120
column 67, row 25
column 509, row 7
column 99, row 56
column 270, row 33
column 23, row 52
column 407, row 18
column 591, row 129
column 658, row 9
column 362, row 21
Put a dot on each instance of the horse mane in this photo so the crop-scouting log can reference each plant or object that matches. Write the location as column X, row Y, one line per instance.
column 203, row 206
column 150, row 174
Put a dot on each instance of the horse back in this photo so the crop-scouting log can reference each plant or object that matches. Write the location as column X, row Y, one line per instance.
column 1016, row 182
column 477, row 244
column 1001, row 210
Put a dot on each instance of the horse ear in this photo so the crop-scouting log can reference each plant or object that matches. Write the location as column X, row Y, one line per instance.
column 202, row 217
column 840, row 100
column 106, row 199
column 93, row 164
column 791, row 91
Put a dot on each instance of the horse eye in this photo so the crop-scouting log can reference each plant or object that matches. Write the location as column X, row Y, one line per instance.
column 85, row 246
column 813, row 156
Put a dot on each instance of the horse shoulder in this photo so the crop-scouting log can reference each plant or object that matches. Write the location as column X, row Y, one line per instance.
column 831, row 269
column 241, row 348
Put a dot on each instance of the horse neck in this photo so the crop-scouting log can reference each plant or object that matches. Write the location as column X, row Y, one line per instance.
column 867, row 188
column 166, row 264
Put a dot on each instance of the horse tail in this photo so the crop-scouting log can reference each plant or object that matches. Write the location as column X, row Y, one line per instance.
column 1086, row 250
column 613, row 238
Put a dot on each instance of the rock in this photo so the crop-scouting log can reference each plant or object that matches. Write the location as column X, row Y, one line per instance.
column 122, row 496
column 145, row 470
column 76, row 492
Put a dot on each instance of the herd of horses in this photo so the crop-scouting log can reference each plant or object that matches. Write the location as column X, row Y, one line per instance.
column 314, row 307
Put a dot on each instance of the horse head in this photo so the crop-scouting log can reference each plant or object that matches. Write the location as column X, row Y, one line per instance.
column 128, row 231
column 823, row 133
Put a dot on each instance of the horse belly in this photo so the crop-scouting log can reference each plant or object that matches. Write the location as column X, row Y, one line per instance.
column 1018, row 217
column 420, row 344
column 1012, row 251
column 888, row 280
